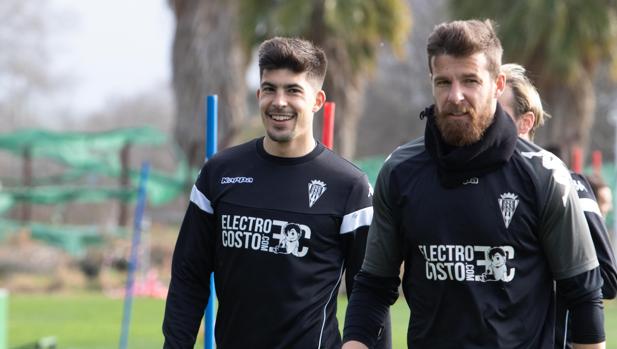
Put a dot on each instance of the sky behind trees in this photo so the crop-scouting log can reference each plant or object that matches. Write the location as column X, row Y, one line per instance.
column 103, row 52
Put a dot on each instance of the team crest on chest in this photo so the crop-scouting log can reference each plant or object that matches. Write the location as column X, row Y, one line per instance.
column 508, row 203
column 315, row 189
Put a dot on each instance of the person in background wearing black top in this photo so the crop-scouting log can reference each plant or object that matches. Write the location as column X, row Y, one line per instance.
column 278, row 220
column 470, row 185
column 522, row 102
column 602, row 192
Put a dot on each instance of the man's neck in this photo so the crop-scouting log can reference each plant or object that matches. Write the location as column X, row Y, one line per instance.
column 293, row 149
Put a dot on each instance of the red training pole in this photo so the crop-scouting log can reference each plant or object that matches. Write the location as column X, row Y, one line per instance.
column 577, row 159
column 328, row 125
column 596, row 161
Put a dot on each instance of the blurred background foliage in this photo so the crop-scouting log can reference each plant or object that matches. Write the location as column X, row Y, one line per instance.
column 68, row 178
column 77, row 172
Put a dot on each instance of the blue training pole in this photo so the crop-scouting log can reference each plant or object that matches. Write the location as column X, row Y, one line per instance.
column 211, row 139
column 130, row 280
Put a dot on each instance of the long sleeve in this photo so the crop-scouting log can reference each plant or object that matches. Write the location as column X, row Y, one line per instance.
column 356, row 246
column 599, row 235
column 583, row 297
column 360, row 211
column 367, row 317
column 192, row 263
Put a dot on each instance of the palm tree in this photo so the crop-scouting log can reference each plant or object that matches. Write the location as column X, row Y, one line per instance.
column 562, row 43
column 207, row 58
column 351, row 33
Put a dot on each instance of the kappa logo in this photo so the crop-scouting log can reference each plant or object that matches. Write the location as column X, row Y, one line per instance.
column 578, row 185
column 508, row 202
column 315, row 189
column 560, row 172
column 236, row 180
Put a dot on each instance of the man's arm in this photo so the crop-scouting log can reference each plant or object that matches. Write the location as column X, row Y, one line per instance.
column 604, row 251
column 590, row 346
column 192, row 264
column 359, row 206
column 354, row 345
column 368, row 309
column 356, row 247
column 599, row 235
column 375, row 287
column 583, row 298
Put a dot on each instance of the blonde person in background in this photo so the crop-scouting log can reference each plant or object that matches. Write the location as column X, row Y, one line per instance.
column 521, row 101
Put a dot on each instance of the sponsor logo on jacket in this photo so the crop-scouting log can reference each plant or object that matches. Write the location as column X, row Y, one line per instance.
column 468, row 263
column 264, row 235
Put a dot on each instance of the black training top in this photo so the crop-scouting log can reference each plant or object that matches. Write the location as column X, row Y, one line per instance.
column 483, row 230
column 278, row 234
column 604, row 251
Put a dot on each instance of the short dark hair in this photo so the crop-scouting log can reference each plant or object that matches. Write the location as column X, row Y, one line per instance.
column 291, row 226
column 297, row 55
column 496, row 250
column 465, row 38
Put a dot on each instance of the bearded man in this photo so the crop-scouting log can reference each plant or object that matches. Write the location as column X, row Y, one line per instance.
column 470, row 186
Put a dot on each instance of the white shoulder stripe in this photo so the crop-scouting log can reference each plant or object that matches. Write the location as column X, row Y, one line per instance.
column 357, row 219
column 201, row 200
column 590, row 205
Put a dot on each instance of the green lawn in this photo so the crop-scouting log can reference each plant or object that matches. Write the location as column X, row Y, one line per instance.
column 93, row 321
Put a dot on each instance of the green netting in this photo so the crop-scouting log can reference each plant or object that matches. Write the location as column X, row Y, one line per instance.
column 61, row 194
column 87, row 154
column 82, row 150
column 73, row 239
column 6, row 202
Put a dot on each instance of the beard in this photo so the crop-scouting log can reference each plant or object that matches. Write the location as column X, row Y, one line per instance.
column 280, row 137
column 277, row 133
column 463, row 131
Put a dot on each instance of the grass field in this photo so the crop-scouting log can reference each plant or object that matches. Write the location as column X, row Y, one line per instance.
column 93, row 321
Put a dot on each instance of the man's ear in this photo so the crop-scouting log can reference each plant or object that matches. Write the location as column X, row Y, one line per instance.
column 257, row 93
column 501, row 84
column 525, row 122
column 320, row 99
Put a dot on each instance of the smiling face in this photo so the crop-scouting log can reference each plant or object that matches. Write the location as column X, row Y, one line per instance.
column 287, row 102
column 498, row 260
column 465, row 95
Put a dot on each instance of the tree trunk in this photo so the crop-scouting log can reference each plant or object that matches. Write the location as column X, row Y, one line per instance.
column 573, row 110
column 342, row 86
column 349, row 104
column 125, row 183
column 207, row 59
column 26, row 206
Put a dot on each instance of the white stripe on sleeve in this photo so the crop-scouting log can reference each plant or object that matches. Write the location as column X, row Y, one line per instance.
column 201, row 200
column 356, row 219
column 590, row 205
